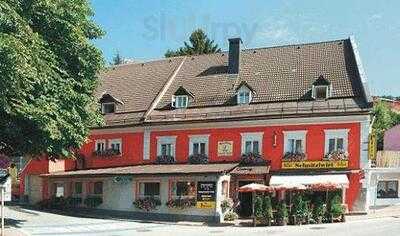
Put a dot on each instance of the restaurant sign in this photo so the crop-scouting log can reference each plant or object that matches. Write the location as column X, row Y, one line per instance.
column 206, row 195
column 315, row 164
column 225, row 148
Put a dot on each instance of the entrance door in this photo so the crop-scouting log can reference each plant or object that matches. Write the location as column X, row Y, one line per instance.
column 246, row 201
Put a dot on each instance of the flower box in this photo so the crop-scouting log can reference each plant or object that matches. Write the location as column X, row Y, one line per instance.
column 290, row 156
column 198, row 159
column 107, row 153
column 252, row 159
column 339, row 155
column 147, row 203
column 181, row 203
column 165, row 160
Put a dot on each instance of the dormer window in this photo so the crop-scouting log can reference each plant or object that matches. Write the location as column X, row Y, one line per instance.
column 244, row 93
column 321, row 88
column 243, row 97
column 181, row 101
column 108, row 103
column 107, row 108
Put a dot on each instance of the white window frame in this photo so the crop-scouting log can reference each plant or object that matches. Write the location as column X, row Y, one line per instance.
column 198, row 139
column 140, row 182
column 253, row 136
column 108, row 103
column 328, row 91
column 296, row 134
column 103, row 141
column 243, row 90
column 335, row 134
column 166, row 140
column 115, row 141
column 177, row 100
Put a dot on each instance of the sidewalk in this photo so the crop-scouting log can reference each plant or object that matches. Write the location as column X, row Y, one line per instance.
column 379, row 212
column 13, row 232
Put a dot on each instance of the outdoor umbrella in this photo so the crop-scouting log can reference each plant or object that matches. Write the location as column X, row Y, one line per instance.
column 253, row 188
column 324, row 187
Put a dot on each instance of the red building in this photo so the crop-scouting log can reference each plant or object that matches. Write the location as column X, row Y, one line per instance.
column 180, row 127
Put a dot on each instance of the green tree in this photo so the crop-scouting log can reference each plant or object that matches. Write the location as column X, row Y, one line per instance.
column 48, row 74
column 117, row 59
column 199, row 44
column 385, row 119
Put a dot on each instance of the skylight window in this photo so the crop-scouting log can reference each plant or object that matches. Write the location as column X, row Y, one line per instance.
column 321, row 92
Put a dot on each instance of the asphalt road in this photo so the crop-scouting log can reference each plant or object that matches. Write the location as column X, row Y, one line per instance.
column 40, row 223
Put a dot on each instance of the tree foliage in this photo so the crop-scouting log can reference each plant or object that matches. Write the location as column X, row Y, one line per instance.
column 199, row 44
column 385, row 119
column 117, row 59
column 48, row 73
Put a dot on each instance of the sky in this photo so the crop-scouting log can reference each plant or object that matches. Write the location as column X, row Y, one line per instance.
column 144, row 29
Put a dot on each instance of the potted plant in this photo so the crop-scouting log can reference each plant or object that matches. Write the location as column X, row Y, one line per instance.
column 336, row 209
column 252, row 159
column 165, row 159
column 230, row 216
column 319, row 210
column 267, row 210
column 282, row 214
column 198, row 159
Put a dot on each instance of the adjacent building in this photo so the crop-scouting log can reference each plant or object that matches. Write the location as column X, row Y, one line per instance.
column 186, row 132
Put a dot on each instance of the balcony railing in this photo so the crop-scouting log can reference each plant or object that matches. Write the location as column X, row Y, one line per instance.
column 388, row 159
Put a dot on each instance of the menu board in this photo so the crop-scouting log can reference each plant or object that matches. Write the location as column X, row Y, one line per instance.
column 206, row 192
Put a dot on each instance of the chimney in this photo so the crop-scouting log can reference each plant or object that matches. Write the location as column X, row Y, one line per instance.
column 234, row 55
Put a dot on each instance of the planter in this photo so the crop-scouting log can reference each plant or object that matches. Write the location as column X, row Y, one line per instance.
column 198, row 159
column 165, row 160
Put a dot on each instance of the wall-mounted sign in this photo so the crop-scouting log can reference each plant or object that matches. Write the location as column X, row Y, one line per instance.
column 372, row 147
column 206, row 194
column 225, row 148
column 315, row 164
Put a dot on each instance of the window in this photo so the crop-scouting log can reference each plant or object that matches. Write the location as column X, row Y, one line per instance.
column 78, row 188
column 149, row 189
column 166, row 149
column 295, row 141
column 336, row 140
column 58, row 189
column 251, row 143
column 243, row 95
column 184, row 189
column 115, row 144
column 198, row 144
column 388, row 189
column 166, row 146
column 107, row 108
column 100, row 145
column 98, row 188
column 181, row 101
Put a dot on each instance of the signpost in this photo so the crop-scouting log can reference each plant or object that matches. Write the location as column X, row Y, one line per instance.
column 206, row 195
column 5, row 196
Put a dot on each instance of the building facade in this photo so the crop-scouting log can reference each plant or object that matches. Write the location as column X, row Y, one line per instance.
column 187, row 132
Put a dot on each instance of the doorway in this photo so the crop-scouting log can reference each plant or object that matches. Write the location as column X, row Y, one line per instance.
column 245, row 199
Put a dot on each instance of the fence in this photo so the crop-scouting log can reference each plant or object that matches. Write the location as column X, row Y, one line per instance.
column 388, row 159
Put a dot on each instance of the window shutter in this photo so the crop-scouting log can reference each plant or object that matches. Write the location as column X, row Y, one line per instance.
column 173, row 101
column 313, row 92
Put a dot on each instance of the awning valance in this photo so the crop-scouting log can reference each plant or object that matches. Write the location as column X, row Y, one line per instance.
column 340, row 180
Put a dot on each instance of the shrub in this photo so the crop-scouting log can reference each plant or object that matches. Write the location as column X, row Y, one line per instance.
column 181, row 203
column 335, row 207
column 258, row 207
column 93, row 201
column 282, row 214
column 147, row 204
column 267, row 208
column 106, row 153
column 300, row 209
column 230, row 216
column 319, row 210
column 73, row 201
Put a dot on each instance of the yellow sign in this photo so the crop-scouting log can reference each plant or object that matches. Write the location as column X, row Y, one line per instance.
column 372, row 147
column 205, row 205
column 225, row 148
column 315, row 164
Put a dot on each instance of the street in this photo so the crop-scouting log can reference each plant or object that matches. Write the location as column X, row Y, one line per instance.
column 33, row 222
